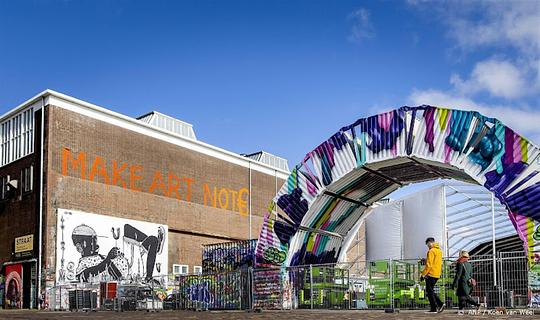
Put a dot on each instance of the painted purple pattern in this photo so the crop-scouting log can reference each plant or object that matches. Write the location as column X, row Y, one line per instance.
column 430, row 122
column 294, row 205
column 385, row 132
column 526, row 202
column 325, row 152
column 512, row 166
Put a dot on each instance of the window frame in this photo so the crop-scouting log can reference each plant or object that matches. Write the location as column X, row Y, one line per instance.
column 27, row 180
column 17, row 136
column 4, row 180
column 197, row 269
column 181, row 267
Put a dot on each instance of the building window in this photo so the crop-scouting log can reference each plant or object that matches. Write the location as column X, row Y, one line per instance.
column 197, row 269
column 17, row 136
column 5, row 132
column 180, row 269
column 4, row 187
column 27, row 179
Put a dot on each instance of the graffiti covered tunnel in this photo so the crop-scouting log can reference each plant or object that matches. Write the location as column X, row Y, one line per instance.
column 326, row 194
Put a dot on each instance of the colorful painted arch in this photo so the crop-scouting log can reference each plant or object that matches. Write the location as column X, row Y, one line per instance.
column 326, row 194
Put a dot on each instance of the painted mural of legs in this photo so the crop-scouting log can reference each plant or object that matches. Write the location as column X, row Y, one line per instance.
column 134, row 234
column 152, row 245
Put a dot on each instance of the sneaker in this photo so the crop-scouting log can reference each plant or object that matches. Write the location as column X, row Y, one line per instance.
column 441, row 308
column 151, row 282
column 460, row 312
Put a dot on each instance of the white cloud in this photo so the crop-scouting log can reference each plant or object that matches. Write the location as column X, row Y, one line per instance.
column 495, row 25
column 473, row 24
column 416, row 2
column 522, row 119
column 362, row 27
column 500, row 78
column 511, row 31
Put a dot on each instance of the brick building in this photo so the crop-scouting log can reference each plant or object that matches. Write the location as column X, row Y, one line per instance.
column 116, row 197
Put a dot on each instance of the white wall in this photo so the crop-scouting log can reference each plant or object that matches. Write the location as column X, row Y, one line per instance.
column 398, row 230
column 423, row 217
column 383, row 232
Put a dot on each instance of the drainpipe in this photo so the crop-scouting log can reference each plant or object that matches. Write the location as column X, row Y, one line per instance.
column 445, row 224
column 41, row 171
column 276, row 189
column 493, row 240
column 250, row 200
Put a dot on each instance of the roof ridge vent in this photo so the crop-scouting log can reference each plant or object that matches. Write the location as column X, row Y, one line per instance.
column 269, row 159
column 168, row 123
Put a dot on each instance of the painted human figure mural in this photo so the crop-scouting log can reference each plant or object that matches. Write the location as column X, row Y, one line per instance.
column 91, row 263
column 129, row 251
column 13, row 294
column 13, row 286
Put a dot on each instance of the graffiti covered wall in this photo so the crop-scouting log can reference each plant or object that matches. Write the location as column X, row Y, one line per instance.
column 273, row 242
column 367, row 160
column 267, row 289
column 228, row 290
column 228, row 256
column 93, row 248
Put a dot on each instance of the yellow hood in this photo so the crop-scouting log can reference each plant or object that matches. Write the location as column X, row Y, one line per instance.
column 433, row 262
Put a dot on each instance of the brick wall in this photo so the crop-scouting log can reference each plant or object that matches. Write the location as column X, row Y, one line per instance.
column 192, row 218
column 19, row 213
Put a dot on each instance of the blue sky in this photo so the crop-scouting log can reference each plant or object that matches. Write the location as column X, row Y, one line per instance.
column 281, row 76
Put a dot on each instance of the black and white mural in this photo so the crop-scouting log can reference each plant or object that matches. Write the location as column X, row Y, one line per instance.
column 91, row 248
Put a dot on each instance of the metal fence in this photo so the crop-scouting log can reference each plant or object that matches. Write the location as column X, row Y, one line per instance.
column 502, row 281
column 111, row 295
column 513, row 281
column 223, row 291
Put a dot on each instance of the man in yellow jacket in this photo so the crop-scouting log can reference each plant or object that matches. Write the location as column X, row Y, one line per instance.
column 432, row 273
